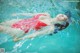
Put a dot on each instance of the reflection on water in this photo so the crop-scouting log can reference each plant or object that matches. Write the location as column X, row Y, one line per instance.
column 66, row 41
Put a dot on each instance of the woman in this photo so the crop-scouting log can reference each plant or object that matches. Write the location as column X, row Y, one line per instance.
column 18, row 27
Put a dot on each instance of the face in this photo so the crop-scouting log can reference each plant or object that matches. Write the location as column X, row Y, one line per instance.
column 61, row 17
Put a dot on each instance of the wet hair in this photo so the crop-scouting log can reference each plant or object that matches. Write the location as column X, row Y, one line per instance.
column 60, row 27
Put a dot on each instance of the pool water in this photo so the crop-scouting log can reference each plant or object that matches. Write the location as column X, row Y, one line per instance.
column 65, row 41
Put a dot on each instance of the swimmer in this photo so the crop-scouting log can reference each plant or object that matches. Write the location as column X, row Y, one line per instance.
column 18, row 27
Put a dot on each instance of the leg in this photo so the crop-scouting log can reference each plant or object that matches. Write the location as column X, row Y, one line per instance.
column 9, row 22
column 15, row 33
column 29, row 14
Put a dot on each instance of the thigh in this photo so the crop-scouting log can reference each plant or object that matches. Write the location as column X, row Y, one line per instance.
column 12, row 31
column 9, row 22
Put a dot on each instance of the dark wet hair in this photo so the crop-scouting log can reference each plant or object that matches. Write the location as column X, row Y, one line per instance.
column 61, row 27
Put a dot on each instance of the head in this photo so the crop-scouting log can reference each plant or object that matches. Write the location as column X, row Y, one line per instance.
column 61, row 17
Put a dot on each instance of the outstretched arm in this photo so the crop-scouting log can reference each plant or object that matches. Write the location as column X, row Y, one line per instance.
column 28, row 14
column 39, row 33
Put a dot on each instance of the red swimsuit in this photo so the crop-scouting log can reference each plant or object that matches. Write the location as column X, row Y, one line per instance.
column 27, row 24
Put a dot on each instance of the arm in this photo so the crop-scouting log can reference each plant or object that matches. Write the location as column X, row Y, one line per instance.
column 39, row 33
column 28, row 14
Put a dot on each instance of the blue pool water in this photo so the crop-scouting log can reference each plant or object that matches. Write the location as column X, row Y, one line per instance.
column 66, row 41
